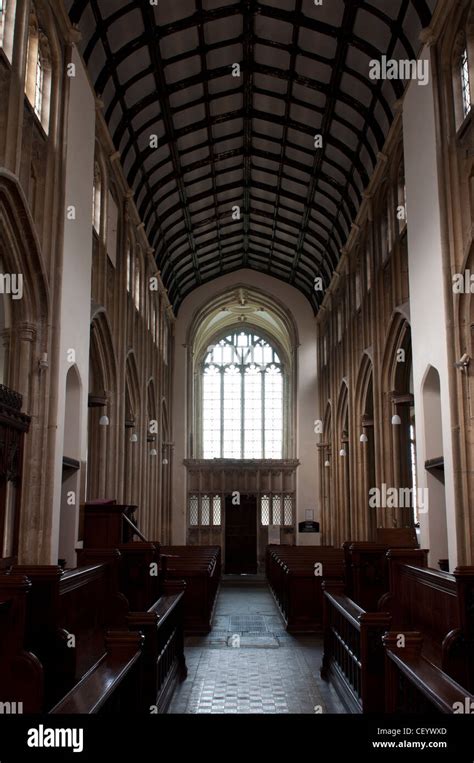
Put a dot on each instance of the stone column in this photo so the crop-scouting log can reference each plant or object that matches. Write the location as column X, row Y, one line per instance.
column 14, row 131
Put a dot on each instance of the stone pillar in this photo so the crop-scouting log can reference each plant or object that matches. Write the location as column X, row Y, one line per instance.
column 13, row 133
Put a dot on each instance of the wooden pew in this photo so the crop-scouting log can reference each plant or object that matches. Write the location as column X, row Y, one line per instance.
column 437, row 605
column 353, row 653
column 139, row 573
column 413, row 685
column 162, row 624
column 353, row 658
column 297, row 585
column 21, row 673
column 367, row 570
column 164, row 664
column 68, row 614
column 199, row 567
column 113, row 684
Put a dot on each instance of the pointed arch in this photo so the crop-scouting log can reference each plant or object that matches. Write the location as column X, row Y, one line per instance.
column 103, row 394
column 365, row 449
column 71, row 477
column 398, row 338
column 399, row 406
column 341, row 470
column 21, row 252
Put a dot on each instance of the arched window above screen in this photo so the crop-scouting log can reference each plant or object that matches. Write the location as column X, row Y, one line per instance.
column 242, row 398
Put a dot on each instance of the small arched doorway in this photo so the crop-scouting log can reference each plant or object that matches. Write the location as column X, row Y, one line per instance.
column 70, row 485
column 434, row 466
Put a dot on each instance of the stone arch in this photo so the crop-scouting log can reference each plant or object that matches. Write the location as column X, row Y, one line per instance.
column 434, row 504
column 46, row 21
column 71, row 472
column 25, row 342
column 365, row 462
column 398, row 401
column 246, row 308
column 342, row 456
column 102, row 437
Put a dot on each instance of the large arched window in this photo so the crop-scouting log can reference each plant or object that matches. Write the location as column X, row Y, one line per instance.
column 242, row 398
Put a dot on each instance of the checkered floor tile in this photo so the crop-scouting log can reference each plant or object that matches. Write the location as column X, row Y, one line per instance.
column 249, row 664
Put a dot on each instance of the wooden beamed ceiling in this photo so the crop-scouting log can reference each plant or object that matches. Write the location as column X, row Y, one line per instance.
column 247, row 141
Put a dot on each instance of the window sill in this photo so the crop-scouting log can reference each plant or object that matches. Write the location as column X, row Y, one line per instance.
column 465, row 124
column 37, row 120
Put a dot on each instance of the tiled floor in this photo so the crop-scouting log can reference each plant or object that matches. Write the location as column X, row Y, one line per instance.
column 249, row 664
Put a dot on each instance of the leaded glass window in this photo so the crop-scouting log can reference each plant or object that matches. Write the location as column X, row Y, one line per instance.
column 288, row 510
column 465, row 83
column 205, row 510
column 39, row 86
column 265, row 510
column 3, row 13
column 193, row 510
column 242, row 399
column 216, row 510
column 276, row 509
column 276, row 506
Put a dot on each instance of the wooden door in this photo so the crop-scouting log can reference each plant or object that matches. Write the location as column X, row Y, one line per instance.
column 241, row 535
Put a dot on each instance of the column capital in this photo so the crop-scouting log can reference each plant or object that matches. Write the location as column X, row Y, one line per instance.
column 25, row 331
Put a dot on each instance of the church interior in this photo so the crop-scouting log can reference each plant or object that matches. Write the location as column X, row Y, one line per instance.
column 236, row 357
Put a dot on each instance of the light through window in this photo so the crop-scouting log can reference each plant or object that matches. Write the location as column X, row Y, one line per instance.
column 39, row 86
column 465, row 84
column 413, row 470
column 3, row 13
column 242, row 399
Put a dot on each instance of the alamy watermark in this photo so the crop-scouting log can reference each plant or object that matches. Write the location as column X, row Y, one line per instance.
column 48, row 737
column 385, row 497
column 401, row 69
column 12, row 284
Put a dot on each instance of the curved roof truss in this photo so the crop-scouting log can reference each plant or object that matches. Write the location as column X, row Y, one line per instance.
column 247, row 141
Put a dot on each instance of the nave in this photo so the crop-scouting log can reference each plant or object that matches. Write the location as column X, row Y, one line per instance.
column 249, row 663
column 236, row 345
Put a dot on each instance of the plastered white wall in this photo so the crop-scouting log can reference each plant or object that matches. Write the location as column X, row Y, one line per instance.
column 74, row 315
column 427, row 299
column 306, row 398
